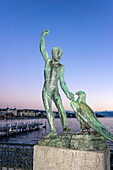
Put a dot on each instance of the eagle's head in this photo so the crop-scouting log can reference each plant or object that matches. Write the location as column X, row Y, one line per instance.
column 81, row 96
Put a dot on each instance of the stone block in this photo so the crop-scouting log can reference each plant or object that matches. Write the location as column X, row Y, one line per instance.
column 52, row 158
column 92, row 141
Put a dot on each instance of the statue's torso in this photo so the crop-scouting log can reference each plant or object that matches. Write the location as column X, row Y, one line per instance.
column 51, row 75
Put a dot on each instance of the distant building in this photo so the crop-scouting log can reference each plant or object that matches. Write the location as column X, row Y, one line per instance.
column 20, row 112
column 8, row 111
column 27, row 112
column 30, row 113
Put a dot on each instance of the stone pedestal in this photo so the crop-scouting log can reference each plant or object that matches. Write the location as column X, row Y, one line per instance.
column 52, row 158
column 88, row 142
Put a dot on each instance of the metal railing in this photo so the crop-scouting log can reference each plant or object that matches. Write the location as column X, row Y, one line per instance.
column 16, row 156
column 20, row 156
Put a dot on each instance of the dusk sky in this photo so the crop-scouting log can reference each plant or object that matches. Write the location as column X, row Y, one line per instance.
column 84, row 31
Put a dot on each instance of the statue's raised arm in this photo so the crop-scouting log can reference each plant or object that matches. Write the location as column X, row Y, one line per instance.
column 42, row 46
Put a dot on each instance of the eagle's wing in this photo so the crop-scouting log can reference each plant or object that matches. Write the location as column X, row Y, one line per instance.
column 86, row 113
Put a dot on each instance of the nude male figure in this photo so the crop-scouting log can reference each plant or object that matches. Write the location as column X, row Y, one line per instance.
column 53, row 72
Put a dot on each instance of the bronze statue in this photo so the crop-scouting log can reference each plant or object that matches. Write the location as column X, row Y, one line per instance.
column 53, row 72
column 87, row 117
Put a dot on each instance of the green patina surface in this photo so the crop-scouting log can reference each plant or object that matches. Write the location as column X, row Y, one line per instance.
column 92, row 141
column 53, row 72
column 87, row 117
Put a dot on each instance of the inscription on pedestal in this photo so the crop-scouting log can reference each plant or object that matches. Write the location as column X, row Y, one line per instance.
column 49, row 158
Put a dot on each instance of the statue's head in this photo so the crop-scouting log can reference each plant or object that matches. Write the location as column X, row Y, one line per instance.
column 56, row 53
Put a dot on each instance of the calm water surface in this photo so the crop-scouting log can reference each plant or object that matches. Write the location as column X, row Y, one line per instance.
column 33, row 136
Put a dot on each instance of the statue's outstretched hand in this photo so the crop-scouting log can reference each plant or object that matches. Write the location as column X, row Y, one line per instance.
column 45, row 32
column 70, row 96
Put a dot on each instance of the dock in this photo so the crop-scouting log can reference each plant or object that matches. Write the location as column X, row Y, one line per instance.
column 16, row 129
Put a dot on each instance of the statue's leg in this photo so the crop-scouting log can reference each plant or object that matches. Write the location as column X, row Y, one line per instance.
column 50, row 117
column 81, row 130
column 62, row 114
column 88, row 130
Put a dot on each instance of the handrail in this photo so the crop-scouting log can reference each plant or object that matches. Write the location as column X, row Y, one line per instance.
column 23, row 144
column 16, row 155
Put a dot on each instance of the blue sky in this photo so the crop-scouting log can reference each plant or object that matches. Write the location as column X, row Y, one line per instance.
column 83, row 29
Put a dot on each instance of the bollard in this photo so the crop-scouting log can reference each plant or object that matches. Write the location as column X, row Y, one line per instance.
column 16, row 128
column 7, row 130
column 27, row 126
column 10, row 127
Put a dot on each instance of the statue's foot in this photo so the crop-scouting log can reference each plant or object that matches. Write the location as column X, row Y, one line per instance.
column 82, row 132
column 79, row 132
column 51, row 134
column 87, row 133
column 66, row 129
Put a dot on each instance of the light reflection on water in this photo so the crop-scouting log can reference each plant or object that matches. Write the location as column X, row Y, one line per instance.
column 33, row 136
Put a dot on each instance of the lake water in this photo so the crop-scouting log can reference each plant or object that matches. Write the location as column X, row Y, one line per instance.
column 33, row 136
